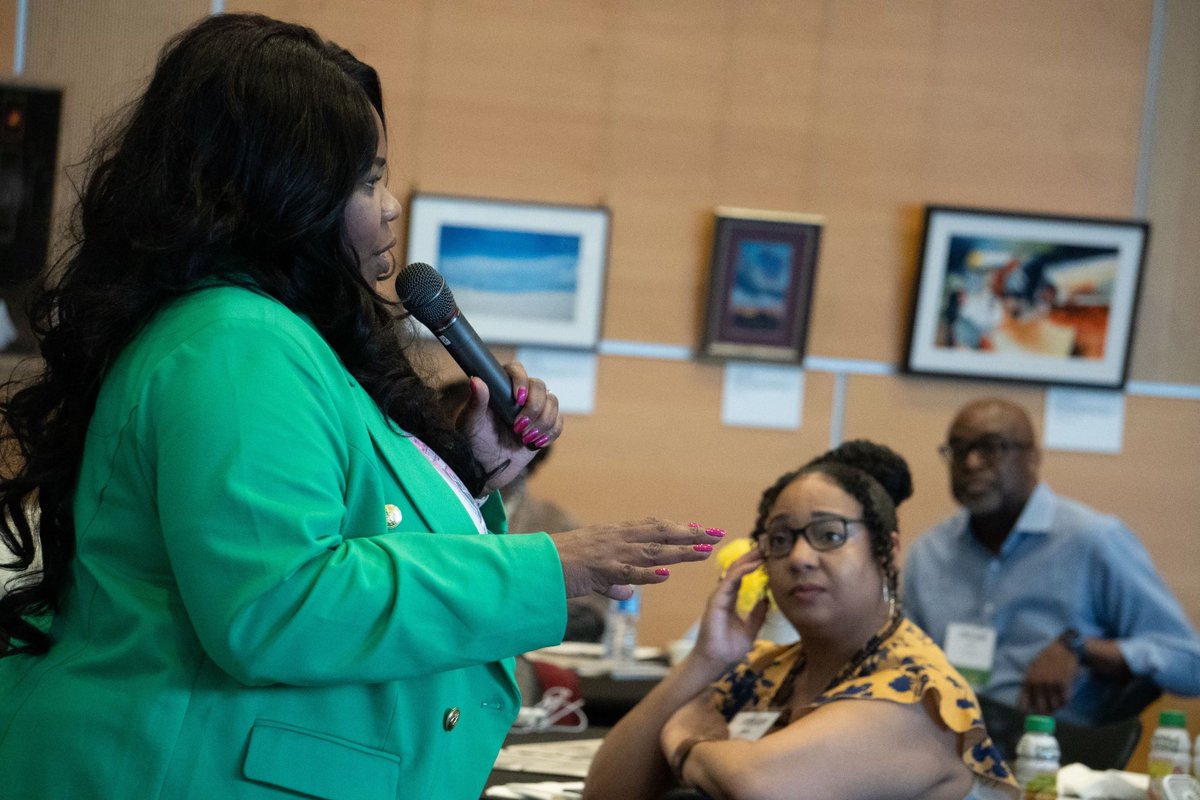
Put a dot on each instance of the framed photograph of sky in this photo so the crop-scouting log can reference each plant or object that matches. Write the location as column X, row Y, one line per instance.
column 522, row 273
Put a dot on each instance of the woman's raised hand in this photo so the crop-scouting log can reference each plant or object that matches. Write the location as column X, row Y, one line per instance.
column 508, row 450
column 608, row 559
column 724, row 636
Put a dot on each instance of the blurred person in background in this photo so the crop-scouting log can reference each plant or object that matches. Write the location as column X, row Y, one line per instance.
column 1045, row 604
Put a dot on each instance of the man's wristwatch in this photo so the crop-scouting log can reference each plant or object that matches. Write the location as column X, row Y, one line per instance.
column 1073, row 642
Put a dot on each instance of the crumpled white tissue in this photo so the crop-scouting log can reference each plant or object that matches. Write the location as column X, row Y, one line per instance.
column 1077, row 780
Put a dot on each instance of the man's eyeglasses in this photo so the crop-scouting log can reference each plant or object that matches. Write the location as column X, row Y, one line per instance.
column 823, row 534
column 989, row 448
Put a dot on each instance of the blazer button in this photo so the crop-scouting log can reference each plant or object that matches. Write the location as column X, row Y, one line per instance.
column 393, row 515
column 450, row 718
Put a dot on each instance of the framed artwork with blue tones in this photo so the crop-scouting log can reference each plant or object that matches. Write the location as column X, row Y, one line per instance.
column 522, row 273
column 761, row 284
column 1026, row 297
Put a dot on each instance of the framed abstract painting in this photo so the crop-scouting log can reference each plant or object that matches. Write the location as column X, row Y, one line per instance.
column 1013, row 296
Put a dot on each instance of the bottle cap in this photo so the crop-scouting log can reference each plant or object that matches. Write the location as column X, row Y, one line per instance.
column 632, row 604
column 1039, row 724
column 1172, row 719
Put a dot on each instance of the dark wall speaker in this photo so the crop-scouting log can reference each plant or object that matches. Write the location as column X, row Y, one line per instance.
column 29, row 130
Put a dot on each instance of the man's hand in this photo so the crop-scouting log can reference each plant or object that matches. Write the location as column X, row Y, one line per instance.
column 1047, row 684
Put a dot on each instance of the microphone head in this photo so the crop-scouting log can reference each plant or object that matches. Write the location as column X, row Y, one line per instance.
column 425, row 294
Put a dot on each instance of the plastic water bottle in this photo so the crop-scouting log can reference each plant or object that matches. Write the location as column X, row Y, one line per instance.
column 1036, row 767
column 620, row 631
column 1170, row 746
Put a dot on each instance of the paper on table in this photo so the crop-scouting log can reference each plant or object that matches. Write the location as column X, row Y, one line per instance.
column 587, row 659
column 545, row 790
column 570, row 758
column 1078, row 780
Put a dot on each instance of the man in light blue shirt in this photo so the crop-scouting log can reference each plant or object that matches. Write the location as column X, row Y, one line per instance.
column 1044, row 603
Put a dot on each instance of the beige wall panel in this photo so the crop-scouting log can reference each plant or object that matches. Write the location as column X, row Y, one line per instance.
column 100, row 53
column 771, row 78
column 1164, row 346
column 861, row 111
column 1038, row 105
column 669, row 68
column 655, row 284
column 8, row 36
column 1149, row 485
column 863, row 157
column 860, row 309
column 513, row 102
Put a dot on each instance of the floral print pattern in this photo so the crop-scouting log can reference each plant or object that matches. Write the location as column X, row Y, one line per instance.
column 906, row 666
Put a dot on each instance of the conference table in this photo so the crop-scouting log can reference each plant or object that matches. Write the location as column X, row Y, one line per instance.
column 502, row 777
column 606, row 700
column 608, row 694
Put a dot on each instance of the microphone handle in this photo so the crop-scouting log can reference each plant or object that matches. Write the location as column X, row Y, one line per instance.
column 465, row 346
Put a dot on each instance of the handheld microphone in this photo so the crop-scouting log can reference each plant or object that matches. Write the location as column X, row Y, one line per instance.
column 425, row 294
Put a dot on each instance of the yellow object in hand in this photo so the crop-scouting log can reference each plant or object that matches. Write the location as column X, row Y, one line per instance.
column 754, row 585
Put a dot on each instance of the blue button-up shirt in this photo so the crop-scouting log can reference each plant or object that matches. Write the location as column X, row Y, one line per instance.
column 1063, row 566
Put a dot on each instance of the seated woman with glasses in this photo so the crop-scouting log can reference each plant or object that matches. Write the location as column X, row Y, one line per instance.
column 865, row 705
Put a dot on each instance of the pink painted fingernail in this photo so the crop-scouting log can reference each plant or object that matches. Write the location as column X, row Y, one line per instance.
column 542, row 442
column 693, row 524
column 718, row 532
column 662, row 571
column 531, row 436
column 703, row 548
column 521, row 424
column 522, row 396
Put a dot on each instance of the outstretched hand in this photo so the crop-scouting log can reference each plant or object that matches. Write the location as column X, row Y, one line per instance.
column 502, row 451
column 607, row 559
column 724, row 636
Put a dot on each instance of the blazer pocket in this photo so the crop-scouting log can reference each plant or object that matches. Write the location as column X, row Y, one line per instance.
column 319, row 765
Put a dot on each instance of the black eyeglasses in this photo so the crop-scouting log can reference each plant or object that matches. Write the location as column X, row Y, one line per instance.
column 990, row 448
column 823, row 534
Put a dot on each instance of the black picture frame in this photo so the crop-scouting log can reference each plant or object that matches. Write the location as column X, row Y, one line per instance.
column 1040, row 298
column 762, row 276
column 29, row 134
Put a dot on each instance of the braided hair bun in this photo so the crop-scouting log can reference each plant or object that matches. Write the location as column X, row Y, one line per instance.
column 879, row 461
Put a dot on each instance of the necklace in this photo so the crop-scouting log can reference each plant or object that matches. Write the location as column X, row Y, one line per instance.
column 783, row 695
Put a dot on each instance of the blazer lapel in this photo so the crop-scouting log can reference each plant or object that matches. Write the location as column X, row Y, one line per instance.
column 427, row 491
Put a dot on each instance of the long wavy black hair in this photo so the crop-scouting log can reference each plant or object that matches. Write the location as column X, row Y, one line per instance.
column 236, row 164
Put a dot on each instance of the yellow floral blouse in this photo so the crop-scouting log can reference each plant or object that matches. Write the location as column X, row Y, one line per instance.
column 906, row 666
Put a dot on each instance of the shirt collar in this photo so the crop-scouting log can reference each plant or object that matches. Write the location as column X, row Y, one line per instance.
column 1036, row 517
column 1038, row 514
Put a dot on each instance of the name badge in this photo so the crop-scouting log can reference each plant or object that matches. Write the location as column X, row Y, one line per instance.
column 970, row 650
column 751, row 725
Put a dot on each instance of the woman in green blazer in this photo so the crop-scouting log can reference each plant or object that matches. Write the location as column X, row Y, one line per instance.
column 267, row 556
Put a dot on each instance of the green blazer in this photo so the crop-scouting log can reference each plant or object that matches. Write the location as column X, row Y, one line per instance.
column 244, row 620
